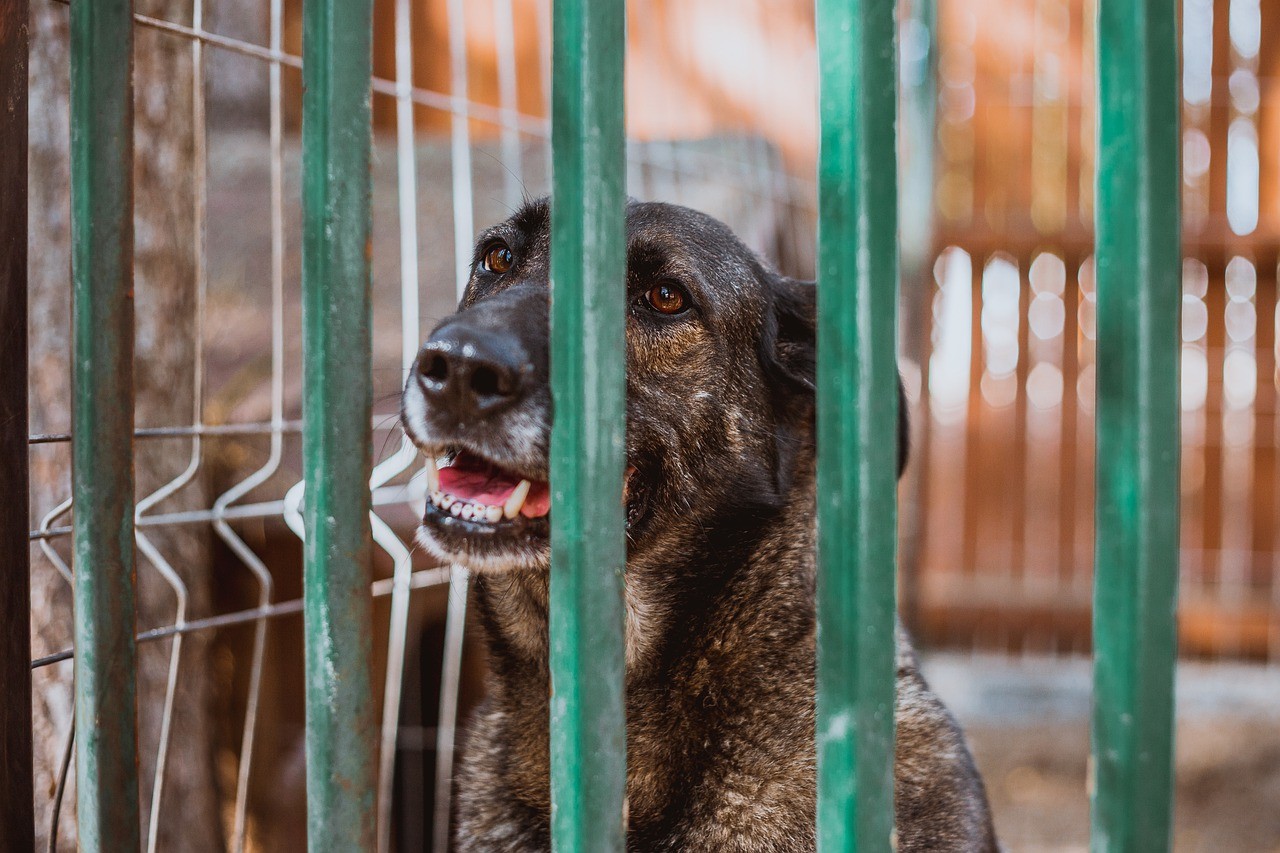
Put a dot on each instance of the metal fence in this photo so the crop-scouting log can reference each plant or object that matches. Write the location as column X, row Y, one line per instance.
column 337, row 516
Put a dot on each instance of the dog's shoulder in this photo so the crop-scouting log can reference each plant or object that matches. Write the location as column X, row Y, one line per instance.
column 939, row 798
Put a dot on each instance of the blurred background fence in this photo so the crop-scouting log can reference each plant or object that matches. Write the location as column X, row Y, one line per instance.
column 997, row 347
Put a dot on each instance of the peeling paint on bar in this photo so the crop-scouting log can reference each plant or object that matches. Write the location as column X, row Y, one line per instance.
column 102, row 424
column 336, row 444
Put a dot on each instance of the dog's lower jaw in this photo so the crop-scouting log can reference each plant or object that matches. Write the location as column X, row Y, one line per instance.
column 530, row 557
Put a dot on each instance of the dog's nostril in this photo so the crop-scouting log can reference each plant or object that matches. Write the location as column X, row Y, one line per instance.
column 437, row 369
column 486, row 382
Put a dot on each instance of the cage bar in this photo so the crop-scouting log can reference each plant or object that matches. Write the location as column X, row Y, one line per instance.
column 16, row 795
column 337, row 405
column 588, row 268
column 102, row 423
column 857, row 400
column 1138, row 293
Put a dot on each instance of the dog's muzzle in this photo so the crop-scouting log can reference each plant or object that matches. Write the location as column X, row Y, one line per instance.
column 476, row 404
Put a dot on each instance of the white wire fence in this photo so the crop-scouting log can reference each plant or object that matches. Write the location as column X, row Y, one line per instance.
column 271, row 490
column 1003, row 346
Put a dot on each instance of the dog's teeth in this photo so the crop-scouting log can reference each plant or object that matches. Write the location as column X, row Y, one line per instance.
column 437, row 497
column 433, row 475
column 456, row 508
column 493, row 514
column 514, row 503
column 447, row 500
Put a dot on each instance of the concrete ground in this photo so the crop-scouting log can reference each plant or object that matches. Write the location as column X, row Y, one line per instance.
column 1027, row 721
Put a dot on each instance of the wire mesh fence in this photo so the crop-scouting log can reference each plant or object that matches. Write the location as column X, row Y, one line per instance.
column 998, row 346
column 239, row 445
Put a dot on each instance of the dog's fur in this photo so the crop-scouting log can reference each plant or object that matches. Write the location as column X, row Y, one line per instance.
column 720, row 562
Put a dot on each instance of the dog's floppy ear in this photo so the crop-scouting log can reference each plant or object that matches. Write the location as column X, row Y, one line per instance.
column 789, row 335
column 791, row 348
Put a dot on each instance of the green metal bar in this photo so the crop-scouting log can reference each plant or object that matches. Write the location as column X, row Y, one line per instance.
column 337, row 405
column 588, row 272
column 102, row 423
column 856, row 421
column 1139, row 294
column 17, row 819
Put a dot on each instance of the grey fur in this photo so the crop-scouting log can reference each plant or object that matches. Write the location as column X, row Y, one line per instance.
column 720, row 570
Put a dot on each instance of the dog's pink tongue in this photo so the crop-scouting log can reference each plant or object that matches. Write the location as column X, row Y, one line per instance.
column 481, row 483
column 488, row 487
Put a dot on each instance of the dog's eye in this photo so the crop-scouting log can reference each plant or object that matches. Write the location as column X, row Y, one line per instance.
column 498, row 258
column 667, row 298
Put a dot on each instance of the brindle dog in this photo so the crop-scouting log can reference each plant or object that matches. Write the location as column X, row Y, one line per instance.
column 720, row 543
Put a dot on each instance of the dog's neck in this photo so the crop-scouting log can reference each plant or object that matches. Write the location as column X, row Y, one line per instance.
column 666, row 594
column 700, row 625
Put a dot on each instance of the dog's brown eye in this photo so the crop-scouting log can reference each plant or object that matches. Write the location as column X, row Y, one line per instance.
column 667, row 299
column 498, row 258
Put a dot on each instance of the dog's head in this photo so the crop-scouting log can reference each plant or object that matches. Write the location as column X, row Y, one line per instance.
column 720, row 363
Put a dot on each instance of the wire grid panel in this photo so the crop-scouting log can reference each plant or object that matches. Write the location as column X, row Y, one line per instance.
column 1000, row 365
column 736, row 174
column 392, row 481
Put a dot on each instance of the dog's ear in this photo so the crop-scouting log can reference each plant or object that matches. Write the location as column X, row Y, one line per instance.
column 790, row 358
column 789, row 335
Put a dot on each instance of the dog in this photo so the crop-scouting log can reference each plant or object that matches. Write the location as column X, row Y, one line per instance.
column 719, row 579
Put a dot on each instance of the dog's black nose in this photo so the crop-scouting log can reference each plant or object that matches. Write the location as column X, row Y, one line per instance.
column 471, row 372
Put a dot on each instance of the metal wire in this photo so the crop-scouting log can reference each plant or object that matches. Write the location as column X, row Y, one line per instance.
column 252, row 562
column 145, row 545
column 406, row 454
column 205, row 430
column 64, row 770
column 508, row 92
column 446, row 729
column 463, row 230
column 380, row 588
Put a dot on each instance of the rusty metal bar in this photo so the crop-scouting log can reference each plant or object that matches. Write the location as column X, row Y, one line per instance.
column 102, row 423
column 336, row 444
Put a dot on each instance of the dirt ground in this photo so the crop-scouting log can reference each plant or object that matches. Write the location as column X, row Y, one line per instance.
column 1027, row 723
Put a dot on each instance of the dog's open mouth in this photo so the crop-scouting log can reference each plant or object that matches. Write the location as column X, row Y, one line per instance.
column 470, row 496
column 468, row 487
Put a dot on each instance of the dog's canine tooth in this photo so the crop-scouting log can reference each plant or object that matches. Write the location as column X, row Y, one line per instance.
column 433, row 475
column 493, row 514
column 514, row 503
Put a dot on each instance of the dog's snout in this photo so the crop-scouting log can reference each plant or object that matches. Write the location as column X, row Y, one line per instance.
column 471, row 373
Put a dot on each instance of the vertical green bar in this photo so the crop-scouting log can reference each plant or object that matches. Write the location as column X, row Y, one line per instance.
column 1139, row 293
column 337, row 406
column 102, row 423
column 588, row 273
column 856, row 423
